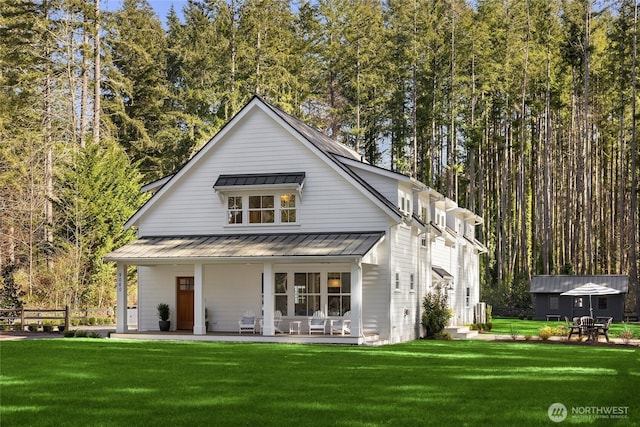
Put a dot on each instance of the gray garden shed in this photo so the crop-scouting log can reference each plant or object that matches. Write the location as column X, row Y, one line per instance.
column 548, row 303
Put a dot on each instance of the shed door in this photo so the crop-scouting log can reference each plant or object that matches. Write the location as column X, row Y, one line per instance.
column 184, row 313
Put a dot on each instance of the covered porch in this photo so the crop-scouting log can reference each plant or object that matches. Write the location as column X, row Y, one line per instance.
column 211, row 282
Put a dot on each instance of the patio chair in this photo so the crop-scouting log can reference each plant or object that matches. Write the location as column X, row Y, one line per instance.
column 586, row 326
column 247, row 323
column 604, row 330
column 341, row 325
column 277, row 319
column 573, row 328
column 317, row 323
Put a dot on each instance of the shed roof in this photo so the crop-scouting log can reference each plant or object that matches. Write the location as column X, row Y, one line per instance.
column 559, row 284
column 260, row 179
column 246, row 246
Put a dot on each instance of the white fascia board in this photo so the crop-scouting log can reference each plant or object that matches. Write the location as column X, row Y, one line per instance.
column 155, row 185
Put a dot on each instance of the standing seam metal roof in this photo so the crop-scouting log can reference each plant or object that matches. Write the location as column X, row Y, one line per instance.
column 248, row 246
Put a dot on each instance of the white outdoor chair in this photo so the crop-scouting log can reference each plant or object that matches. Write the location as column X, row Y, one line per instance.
column 341, row 325
column 317, row 323
column 247, row 323
column 277, row 319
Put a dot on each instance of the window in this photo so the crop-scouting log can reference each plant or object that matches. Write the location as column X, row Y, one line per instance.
column 397, row 281
column 262, row 209
column 577, row 302
column 339, row 293
column 287, row 208
column 412, row 282
column 602, row 303
column 281, row 293
column 468, row 297
column 553, row 303
column 306, row 293
column 234, row 209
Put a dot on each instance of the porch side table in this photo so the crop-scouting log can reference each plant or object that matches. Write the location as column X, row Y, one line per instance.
column 294, row 326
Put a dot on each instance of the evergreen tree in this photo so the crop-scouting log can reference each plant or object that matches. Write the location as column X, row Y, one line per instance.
column 11, row 295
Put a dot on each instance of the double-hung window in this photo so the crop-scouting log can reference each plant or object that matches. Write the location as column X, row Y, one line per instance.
column 306, row 293
column 339, row 293
column 261, row 210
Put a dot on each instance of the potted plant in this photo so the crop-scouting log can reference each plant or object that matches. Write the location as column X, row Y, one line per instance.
column 163, row 313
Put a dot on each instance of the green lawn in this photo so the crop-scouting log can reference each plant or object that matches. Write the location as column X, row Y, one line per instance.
column 504, row 326
column 98, row 382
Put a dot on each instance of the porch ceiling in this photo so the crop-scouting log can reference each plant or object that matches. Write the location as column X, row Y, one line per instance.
column 246, row 246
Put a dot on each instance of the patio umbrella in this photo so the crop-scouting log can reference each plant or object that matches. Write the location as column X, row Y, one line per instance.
column 591, row 289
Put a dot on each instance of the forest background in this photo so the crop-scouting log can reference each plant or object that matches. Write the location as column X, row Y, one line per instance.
column 524, row 111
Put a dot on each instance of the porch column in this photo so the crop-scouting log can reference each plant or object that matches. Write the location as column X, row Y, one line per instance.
column 199, row 327
column 121, row 298
column 267, row 324
column 356, row 299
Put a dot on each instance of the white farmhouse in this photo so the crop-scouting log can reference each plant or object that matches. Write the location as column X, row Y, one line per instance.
column 272, row 221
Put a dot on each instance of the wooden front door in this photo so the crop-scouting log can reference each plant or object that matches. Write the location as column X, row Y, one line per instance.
column 184, row 313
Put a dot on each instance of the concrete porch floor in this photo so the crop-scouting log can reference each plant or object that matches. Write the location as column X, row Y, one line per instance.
column 246, row 337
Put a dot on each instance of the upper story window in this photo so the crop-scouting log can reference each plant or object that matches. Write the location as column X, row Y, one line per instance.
column 270, row 198
column 441, row 218
column 262, row 209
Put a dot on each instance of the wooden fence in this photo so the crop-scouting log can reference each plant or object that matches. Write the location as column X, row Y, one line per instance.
column 63, row 316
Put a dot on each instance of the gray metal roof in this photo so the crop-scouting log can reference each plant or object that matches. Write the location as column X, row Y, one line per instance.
column 260, row 179
column 559, row 284
column 444, row 274
column 244, row 246
column 316, row 137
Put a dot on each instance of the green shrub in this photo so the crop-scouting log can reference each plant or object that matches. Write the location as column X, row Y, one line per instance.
column 17, row 326
column 81, row 334
column 33, row 328
column 75, row 322
column 436, row 313
column 442, row 335
column 47, row 328
column 92, row 321
column 546, row 333
column 94, row 334
column 68, row 333
column 528, row 337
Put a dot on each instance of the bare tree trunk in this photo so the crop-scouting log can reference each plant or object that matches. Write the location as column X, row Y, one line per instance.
column 48, row 147
column 634, row 166
column 96, row 75
column 84, row 91
column 586, row 159
column 546, row 243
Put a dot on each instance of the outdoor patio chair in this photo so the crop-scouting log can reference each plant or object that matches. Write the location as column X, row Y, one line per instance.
column 341, row 325
column 247, row 323
column 573, row 328
column 277, row 319
column 586, row 326
column 317, row 323
column 604, row 330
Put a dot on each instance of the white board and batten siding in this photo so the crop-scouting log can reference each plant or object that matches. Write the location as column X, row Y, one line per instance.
column 329, row 202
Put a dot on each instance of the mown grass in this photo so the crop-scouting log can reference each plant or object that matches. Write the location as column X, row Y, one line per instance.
column 505, row 326
column 84, row 382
